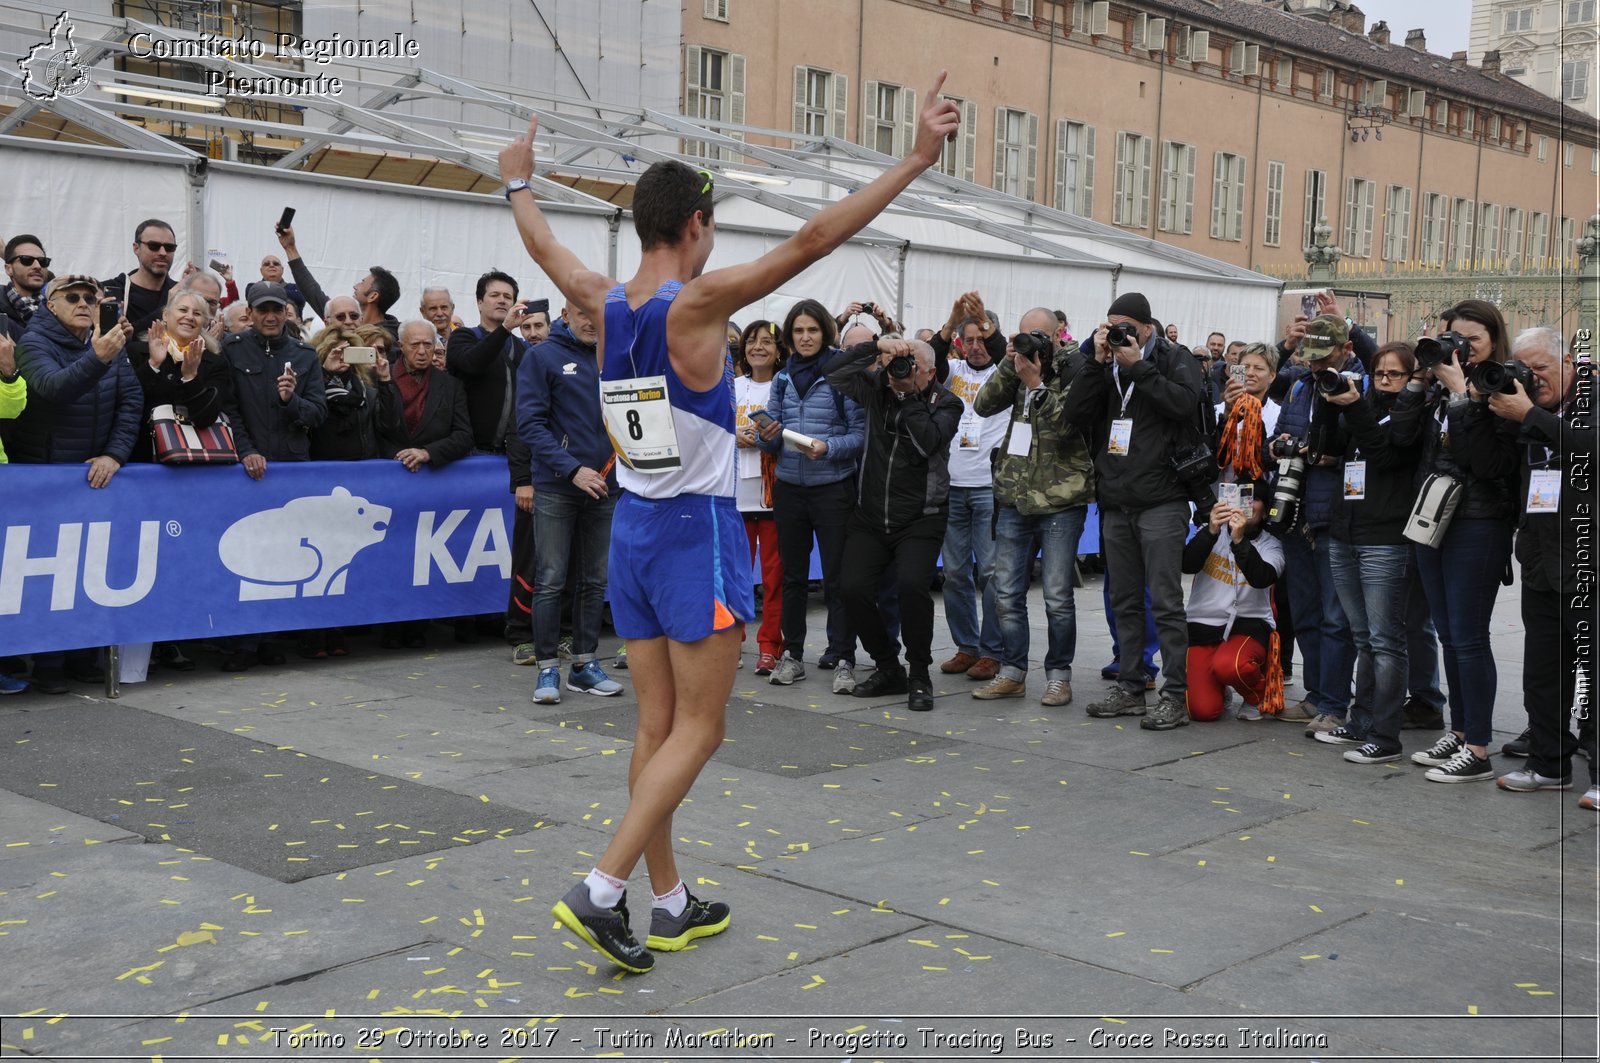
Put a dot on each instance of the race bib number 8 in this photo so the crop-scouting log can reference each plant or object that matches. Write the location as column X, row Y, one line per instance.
column 639, row 422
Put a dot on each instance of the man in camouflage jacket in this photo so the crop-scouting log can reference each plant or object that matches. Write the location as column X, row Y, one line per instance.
column 1043, row 484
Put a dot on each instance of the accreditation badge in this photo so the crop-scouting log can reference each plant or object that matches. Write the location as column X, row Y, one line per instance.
column 1355, row 481
column 1121, row 436
column 1544, row 491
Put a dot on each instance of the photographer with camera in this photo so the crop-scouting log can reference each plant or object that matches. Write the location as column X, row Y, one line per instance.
column 1307, row 451
column 902, row 505
column 1472, row 456
column 1141, row 397
column 1368, row 554
column 1043, row 484
column 969, row 539
column 1554, row 404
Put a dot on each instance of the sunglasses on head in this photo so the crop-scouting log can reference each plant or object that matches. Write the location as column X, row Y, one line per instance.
column 80, row 297
column 157, row 245
column 707, row 187
column 31, row 260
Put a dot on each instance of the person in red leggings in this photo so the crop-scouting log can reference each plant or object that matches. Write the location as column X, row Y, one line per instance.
column 1231, row 627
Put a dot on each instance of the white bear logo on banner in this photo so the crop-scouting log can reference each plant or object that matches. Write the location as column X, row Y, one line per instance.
column 303, row 548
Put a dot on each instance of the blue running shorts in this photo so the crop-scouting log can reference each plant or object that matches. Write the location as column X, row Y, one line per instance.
column 680, row 567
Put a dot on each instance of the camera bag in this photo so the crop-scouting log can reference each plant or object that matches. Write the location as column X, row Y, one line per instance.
column 1435, row 506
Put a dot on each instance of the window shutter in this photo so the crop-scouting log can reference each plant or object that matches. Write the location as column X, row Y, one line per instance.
column 969, row 139
column 1188, row 188
column 1236, row 222
column 1378, row 93
column 691, row 81
column 1417, row 103
column 906, row 132
column 1252, row 59
column 869, row 113
column 736, row 91
column 1236, row 57
column 841, row 105
column 1185, row 43
column 1119, row 182
column 1284, row 72
column 1061, row 166
column 999, row 176
column 1146, row 146
column 1155, row 34
column 1200, row 46
column 1100, row 18
column 1164, row 190
column 1031, row 159
column 1086, row 173
column 1219, row 207
column 1141, row 22
column 800, row 74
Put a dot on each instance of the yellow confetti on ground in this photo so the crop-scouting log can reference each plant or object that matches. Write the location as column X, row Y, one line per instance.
column 1162, row 952
column 1117, row 934
column 1313, row 956
column 1314, row 908
column 1472, row 1009
column 1399, row 882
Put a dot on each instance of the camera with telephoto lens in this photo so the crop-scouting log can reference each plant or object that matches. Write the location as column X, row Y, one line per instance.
column 1431, row 351
column 902, row 366
column 1290, row 487
column 1331, row 381
column 1035, row 345
column 1492, row 377
column 1121, row 335
column 1285, row 449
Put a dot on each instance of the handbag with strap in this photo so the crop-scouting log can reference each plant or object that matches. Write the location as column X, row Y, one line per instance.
column 176, row 441
column 1435, row 506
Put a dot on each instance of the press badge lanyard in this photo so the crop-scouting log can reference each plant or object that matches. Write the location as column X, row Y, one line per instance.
column 1544, row 483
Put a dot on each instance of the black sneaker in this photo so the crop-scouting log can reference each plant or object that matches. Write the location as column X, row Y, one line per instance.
column 1342, row 735
column 1440, row 752
column 882, row 683
column 1118, row 702
column 828, row 661
column 1518, row 746
column 1415, row 716
column 1169, row 712
column 1465, row 766
column 606, row 930
column 1371, row 753
column 921, row 694
column 699, row 920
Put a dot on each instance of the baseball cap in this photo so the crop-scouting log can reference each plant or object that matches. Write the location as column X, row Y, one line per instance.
column 71, row 280
column 1325, row 334
column 267, row 292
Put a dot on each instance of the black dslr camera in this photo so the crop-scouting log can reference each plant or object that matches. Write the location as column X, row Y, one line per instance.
column 1331, row 381
column 902, row 366
column 1121, row 335
column 1035, row 345
column 1431, row 351
column 1492, row 377
column 869, row 309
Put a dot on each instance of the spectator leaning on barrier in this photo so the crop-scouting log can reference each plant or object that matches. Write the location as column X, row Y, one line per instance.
column 1142, row 399
column 139, row 294
column 27, row 269
column 434, row 427
column 575, row 489
column 13, row 400
column 1043, row 484
column 485, row 358
column 277, row 386
column 969, row 547
column 902, row 505
column 1556, row 407
column 83, row 407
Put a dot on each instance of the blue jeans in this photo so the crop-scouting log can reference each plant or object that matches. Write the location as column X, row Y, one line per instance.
column 969, row 538
column 1013, row 561
column 1372, row 582
column 1422, row 645
column 573, row 529
column 1462, row 578
column 1327, row 652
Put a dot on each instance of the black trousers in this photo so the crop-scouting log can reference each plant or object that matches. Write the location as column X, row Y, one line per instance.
column 801, row 513
column 912, row 550
column 1550, row 660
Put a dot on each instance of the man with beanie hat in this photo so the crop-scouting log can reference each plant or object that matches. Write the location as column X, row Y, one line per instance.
column 1141, row 398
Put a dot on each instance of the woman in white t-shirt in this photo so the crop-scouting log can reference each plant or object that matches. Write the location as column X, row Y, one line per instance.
column 757, row 359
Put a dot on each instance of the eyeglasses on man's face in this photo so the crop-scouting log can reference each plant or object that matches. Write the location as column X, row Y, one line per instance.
column 31, row 260
column 157, row 245
column 80, row 297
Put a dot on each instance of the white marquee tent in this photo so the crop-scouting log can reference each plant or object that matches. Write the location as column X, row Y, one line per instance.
column 942, row 237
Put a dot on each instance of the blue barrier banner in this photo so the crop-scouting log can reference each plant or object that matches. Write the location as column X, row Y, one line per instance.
column 163, row 554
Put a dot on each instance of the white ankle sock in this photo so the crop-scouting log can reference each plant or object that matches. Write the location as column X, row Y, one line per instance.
column 674, row 900
column 604, row 891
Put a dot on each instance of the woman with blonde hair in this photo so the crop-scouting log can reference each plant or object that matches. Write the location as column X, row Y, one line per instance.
column 182, row 367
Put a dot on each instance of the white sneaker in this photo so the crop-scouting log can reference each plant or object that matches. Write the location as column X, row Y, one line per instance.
column 844, row 678
column 1247, row 712
column 788, row 671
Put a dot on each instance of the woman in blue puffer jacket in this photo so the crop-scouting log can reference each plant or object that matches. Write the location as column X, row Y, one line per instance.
column 815, row 489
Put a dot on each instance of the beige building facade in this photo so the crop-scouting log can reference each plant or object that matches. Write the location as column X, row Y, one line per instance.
column 1227, row 127
column 1547, row 44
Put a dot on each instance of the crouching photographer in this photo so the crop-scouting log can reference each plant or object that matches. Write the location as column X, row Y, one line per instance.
column 901, row 506
column 1553, row 402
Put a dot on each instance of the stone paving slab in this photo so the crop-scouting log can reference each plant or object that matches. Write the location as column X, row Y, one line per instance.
column 1392, row 865
column 29, row 826
column 280, row 813
column 152, row 929
column 1483, row 970
column 1315, row 775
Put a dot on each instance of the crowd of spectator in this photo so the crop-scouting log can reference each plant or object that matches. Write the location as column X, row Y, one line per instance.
column 1285, row 480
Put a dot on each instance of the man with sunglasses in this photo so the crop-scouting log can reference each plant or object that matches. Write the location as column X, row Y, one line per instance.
column 141, row 295
column 29, row 269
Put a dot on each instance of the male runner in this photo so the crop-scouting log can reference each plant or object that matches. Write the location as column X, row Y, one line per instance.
column 680, row 578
